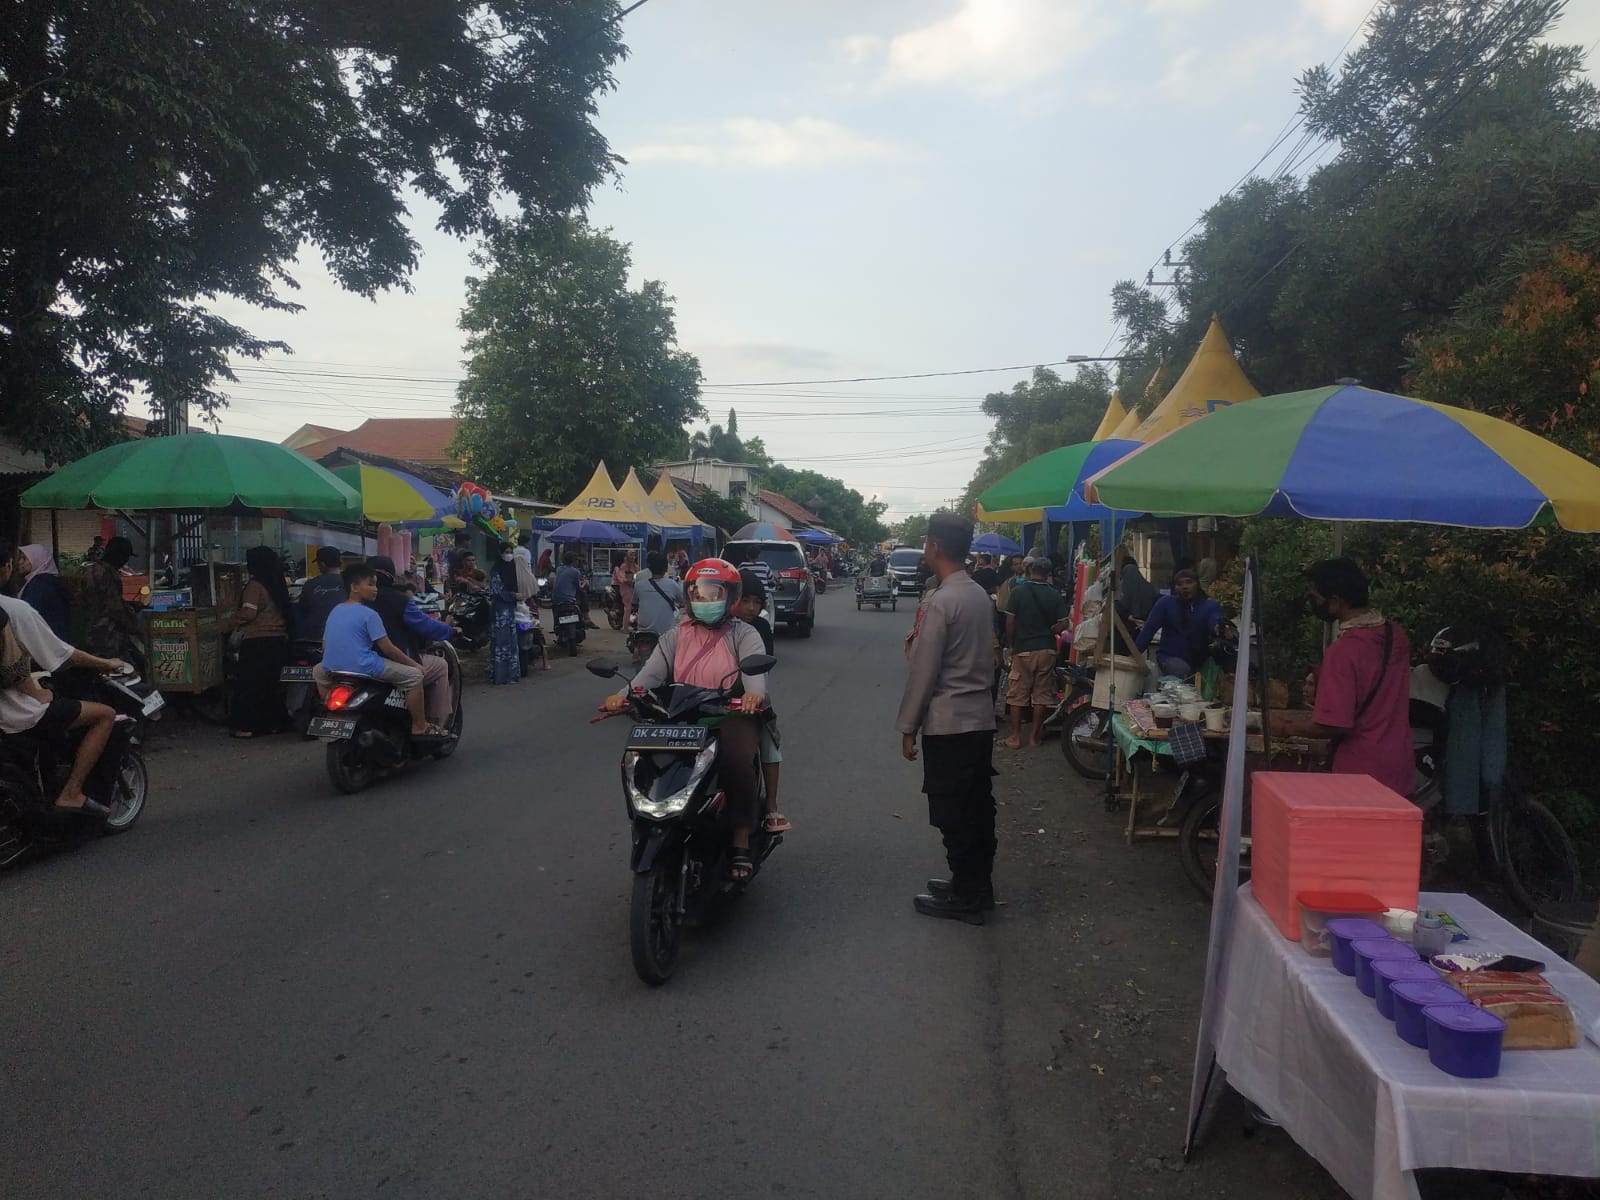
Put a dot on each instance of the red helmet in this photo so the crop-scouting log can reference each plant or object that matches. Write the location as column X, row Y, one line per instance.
column 712, row 581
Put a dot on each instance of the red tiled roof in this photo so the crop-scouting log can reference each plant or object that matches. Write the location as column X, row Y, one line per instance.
column 411, row 439
column 688, row 489
column 795, row 512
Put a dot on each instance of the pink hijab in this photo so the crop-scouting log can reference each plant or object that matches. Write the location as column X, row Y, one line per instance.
column 40, row 560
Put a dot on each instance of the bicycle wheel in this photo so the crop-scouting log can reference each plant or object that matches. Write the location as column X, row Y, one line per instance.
column 1199, row 841
column 1540, row 864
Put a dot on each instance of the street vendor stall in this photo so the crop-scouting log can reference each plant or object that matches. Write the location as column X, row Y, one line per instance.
column 194, row 473
column 1369, row 1112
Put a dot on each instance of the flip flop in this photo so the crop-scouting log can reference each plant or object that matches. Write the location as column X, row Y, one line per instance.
column 776, row 822
column 89, row 808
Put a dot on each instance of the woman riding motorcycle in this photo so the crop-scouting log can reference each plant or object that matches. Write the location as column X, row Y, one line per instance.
column 705, row 650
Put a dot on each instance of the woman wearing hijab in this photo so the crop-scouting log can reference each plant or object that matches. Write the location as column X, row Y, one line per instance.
column 505, row 661
column 265, row 621
column 110, row 628
column 43, row 588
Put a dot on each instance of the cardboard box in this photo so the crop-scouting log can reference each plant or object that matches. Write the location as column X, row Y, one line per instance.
column 1341, row 833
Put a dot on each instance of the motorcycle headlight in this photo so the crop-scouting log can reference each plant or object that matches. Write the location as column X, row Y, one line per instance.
column 659, row 809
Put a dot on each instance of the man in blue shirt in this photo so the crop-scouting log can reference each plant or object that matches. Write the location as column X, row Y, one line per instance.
column 564, row 588
column 657, row 596
column 354, row 642
column 1186, row 620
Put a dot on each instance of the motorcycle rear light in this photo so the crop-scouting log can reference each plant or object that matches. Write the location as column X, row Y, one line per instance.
column 340, row 696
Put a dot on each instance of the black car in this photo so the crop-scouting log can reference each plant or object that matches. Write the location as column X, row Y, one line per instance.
column 793, row 591
column 904, row 565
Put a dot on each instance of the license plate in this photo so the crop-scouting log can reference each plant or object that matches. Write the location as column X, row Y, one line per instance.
column 569, row 619
column 667, row 737
column 295, row 675
column 331, row 727
column 154, row 703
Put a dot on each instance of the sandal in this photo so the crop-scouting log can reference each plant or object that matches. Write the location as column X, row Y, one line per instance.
column 741, row 866
column 243, row 734
column 776, row 822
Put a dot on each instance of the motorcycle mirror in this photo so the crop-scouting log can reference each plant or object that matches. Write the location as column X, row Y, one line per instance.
column 758, row 664
column 602, row 667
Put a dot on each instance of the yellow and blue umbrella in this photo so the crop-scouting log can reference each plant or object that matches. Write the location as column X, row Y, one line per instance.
column 1349, row 453
column 389, row 495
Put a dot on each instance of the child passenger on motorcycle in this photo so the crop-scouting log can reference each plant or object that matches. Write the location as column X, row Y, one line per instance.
column 705, row 650
column 752, row 599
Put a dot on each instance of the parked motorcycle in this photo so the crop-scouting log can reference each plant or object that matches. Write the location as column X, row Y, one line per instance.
column 367, row 728
column 611, row 601
column 472, row 615
column 682, row 833
column 820, row 578
column 33, row 770
column 569, row 626
column 530, row 636
column 1083, row 726
column 298, row 686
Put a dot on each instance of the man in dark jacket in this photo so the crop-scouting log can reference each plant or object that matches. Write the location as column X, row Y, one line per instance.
column 320, row 596
column 411, row 629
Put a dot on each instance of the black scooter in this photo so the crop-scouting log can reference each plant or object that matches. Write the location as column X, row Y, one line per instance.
column 299, row 686
column 569, row 626
column 472, row 615
column 682, row 833
column 33, row 770
column 367, row 728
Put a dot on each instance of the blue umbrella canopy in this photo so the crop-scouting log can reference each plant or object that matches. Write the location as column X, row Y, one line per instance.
column 588, row 531
column 994, row 543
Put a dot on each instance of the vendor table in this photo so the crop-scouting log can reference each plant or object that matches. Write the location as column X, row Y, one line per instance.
column 1299, row 1040
column 1138, row 757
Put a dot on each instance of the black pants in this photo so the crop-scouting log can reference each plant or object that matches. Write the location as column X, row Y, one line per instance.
column 257, row 701
column 738, row 766
column 957, row 775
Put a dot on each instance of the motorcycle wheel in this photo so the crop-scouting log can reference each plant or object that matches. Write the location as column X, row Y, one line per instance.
column 653, row 929
column 128, row 797
column 457, row 720
column 1198, row 842
column 348, row 768
column 614, row 618
column 13, row 833
column 1083, row 741
column 1540, row 865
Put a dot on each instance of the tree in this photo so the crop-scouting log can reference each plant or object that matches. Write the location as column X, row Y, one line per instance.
column 726, row 444
column 841, row 508
column 155, row 154
column 727, row 513
column 1041, row 414
column 911, row 530
column 567, row 365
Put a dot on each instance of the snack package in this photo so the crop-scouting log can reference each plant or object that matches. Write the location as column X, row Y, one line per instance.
column 1473, row 983
column 1534, row 1020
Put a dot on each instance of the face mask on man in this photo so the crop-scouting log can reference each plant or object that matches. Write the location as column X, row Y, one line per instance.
column 507, row 556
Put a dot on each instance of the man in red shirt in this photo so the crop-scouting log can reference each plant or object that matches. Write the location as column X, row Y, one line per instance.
column 1362, row 692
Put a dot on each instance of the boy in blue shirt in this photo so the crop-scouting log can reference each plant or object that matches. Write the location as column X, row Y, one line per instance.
column 354, row 643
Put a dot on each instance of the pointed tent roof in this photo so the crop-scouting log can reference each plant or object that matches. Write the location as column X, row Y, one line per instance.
column 671, row 510
column 1115, row 414
column 1212, row 380
column 597, row 501
column 1128, row 424
column 635, row 502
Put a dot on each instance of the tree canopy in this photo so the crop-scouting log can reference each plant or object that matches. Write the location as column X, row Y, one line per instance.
column 841, row 508
column 567, row 364
column 157, row 154
column 1040, row 414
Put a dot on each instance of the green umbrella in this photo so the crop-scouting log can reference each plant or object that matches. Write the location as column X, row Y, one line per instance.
column 194, row 471
column 1053, row 480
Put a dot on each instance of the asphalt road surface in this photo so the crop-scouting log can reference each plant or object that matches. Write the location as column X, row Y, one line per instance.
column 269, row 989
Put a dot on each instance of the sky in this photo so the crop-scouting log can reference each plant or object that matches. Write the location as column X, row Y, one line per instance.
column 834, row 189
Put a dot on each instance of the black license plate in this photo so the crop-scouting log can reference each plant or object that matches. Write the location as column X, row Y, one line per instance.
column 295, row 675
column 331, row 727
column 667, row 737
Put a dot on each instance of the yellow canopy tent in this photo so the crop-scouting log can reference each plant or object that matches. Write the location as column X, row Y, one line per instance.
column 671, row 510
column 1212, row 380
column 635, row 501
column 597, row 501
column 1115, row 415
column 1128, row 424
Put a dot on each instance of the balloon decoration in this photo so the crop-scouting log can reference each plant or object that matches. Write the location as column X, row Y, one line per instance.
column 475, row 506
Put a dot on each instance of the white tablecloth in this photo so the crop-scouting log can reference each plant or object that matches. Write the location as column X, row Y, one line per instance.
column 1298, row 1039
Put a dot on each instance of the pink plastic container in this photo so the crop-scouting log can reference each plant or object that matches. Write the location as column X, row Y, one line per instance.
column 1343, row 833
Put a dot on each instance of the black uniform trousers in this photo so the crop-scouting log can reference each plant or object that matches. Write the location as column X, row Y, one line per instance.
column 957, row 775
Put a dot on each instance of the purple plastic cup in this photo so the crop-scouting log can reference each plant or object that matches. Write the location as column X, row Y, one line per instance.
column 1410, row 997
column 1386, row 972
column 1463, row 1040
column 1344, row 930
column 1367, row 950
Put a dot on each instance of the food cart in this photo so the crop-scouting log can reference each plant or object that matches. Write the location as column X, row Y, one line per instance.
column 186, row 629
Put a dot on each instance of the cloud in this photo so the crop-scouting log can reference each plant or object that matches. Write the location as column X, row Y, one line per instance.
column 1195, row 73
column 754, row 142
column 988, row 46
column 780, row 358
column 1337, row 16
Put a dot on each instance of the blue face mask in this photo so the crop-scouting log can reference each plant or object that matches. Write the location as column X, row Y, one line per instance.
column 710, row 612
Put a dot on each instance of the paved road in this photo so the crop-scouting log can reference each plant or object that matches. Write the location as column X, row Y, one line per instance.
column 268, row 989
